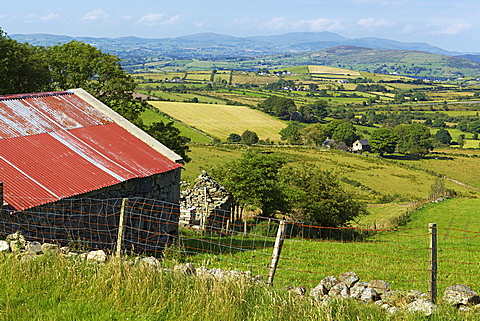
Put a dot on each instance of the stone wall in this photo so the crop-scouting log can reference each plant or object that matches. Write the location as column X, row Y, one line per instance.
column 91, row 219
column 208, row 200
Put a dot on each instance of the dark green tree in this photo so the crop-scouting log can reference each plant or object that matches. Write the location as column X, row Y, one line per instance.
column 315, row 134
column 249, row 137
column 22, row 68
column 383, row 140
column 253, row 182
column 234, row 138
column 79, row 65
column 292, row 133
column 414, row 139
column 443, row 136
column 316, row 196
column 278, row 106
column 170, row 136
column 345, row 132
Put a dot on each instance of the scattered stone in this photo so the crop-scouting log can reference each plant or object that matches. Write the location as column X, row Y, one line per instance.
column 369, row 295
column 422, row 306
column 349, row 278
column 151, row 262
column 339, row 290
column 33, row 247
column 98, row 256
column 379, row 286
column 4, row 246
column 460, row 294
column 329, row 282
column 16, row 242
column 356, row 291
column 49, row 248
column 187, row 268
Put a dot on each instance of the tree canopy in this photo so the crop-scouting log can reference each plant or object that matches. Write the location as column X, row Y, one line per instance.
column 383, row 140
column 414, row 139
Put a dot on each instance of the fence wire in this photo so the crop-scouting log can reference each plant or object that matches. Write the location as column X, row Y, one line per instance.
column 310, row 253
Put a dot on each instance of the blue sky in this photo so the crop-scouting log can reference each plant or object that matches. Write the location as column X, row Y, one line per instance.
column 449, row 24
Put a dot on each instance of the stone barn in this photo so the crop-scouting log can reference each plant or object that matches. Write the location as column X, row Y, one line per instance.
column 58, row 148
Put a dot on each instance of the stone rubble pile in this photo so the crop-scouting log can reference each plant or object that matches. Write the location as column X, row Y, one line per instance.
column 206, row 197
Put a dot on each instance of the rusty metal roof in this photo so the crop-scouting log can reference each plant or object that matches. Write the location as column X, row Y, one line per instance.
column 55, row 145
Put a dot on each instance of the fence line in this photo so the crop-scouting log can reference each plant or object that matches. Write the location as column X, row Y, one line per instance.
column 400, row 256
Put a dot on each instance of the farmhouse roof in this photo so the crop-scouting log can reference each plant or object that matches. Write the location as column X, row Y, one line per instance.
column 56, row 145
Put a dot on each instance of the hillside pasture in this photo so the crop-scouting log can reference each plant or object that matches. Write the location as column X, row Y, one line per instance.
column 222, row 120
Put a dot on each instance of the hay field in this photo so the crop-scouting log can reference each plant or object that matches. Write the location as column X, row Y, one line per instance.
column 222, row 120
column 332, row 71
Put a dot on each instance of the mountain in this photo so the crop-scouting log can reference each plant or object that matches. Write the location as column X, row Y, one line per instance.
column 219, row 45
column 377, row 55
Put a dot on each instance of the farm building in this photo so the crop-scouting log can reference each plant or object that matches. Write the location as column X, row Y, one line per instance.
column 361, row 145
column 58, row 147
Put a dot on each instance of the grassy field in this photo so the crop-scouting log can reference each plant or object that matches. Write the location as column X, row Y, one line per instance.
column 371, row 178
column 150, row 116
column 52, row 287
column 332, row 71
column 222, row 120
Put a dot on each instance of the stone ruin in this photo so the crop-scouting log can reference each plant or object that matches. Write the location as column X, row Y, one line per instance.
column 206, row 205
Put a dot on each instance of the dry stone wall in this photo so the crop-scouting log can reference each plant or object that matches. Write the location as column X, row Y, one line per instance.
column 208, row 200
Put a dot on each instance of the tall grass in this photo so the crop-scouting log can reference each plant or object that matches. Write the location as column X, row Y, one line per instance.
column 57, row 288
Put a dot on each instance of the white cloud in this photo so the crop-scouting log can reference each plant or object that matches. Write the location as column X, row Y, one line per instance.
column 97, row 14
column 276, row 23
column 370, row 23
column 173, row 20
column 455, row 28
column 151, row 19
column 408, row 29
column 157, row 19
column 242, row 21
column 51, row 16
column 321, row 24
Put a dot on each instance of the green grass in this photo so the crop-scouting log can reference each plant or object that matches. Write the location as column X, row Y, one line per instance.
column 53, row 288
column 149, row 116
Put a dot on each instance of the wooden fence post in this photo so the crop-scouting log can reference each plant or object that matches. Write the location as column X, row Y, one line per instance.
column 276, row 251
column 432, row 289
column 121, row 228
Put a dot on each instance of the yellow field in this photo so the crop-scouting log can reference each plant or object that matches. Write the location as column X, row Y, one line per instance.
column 332, row 71
column 222, row 120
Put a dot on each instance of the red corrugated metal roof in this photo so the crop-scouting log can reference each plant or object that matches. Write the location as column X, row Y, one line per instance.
column 54, row 164
column 22, row 115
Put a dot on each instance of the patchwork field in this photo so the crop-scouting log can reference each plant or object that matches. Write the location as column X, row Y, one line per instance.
column 222, row 120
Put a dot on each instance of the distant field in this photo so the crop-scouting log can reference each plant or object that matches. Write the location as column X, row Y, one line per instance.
column 332, row 70
column 149, row 117
column 221, row 120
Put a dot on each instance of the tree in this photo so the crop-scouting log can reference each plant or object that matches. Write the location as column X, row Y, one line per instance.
column 253, row 182
column 443, row 136
column 249, row 137
column 292, row 133
column 234, row 138
column 170, row 136
column 316, row 196
column 345, row 132
column 79, row 65
column 315, row 134
column 22, row 68
column 414, row 139
column 278, row 106
column 383, row 140
column 461, row 140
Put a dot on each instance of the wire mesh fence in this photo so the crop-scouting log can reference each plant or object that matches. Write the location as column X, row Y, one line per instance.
column 400, row 256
